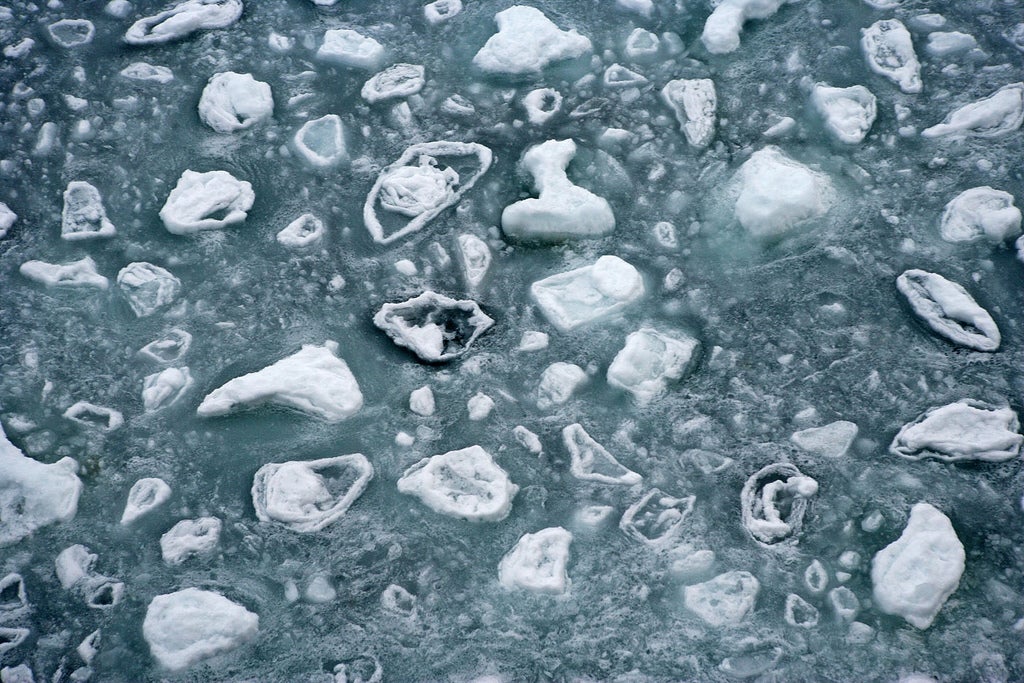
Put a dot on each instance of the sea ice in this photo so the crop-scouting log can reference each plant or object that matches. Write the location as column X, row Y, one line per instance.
column 526, row 42
column 465, row 483
column 7, row 218
column 831, row 441
column 10, row 638
column 844, row 602
column 183, row 19
column 91, row 415
column 147, row 287
column 693, row 101
column 816, row 577
column 168, row 349
column 618, row 76
column 13, row 597
column 890, row 52
column 999, row 114
column 774, row 501
column 981, row 213
column 641, row 46
column 304, row 231
column 479, row 406
column 433, row 326
column 542, row 104
column 527, row 439
column 233, row 101
column 848, row 112
column 577, row 297
column 206, row 201
column 800, row 613
column 421, row 401
column 84, row 216
column 145, row 496
column 350, row 48
column 80, row 273
column 190, row 625
column 557, row 384
column 70, row 33
column 321, row 142
column 164, row 388
column 656, row 519
column 188, row 538
column 307, row 495
column 474, row 258
column 398, row 80
column 725, row 600
column 947, row 43
column 961, row 431
column 143, row 71
column 538, row 562
column 74, row 567
column 777, row 193
column 592, row 462
column 949, row 310
column 649, row 360
column 441, row 10
column 722, row 29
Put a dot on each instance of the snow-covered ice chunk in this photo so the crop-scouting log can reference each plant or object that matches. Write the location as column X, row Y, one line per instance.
column 147, row 287
column 183, row 19
column 307, row 495
column 145, row 496
column 7, row 219
column 618, row 76
column 190, row 625
column 13, row 597
column 778, row 193
column 949, row 310
column 92, row 415
column 80, row 273
column 527, row 439
column 563, row 209
column 981, row 212
column 961, row 431
column 351, row 48
column 479, row 406
column 946, row 43
column 188, row 538
column 70, row 33
column 800, row 613
column 206, row 201
column 89, row 647
column 10, row 638
column 313, row 380
column 320, row 590
column 586, row 294
column 74, row 566
column 722, row 29
column 421, row 184
column 421, row 401
column 83, row 216
column 848, row 113
column 321, row 142
column 558, row 382
column 725, row 600
column 592, row 462
column 541, row 104
column 19, row 49
column 656, row 519
column 168, row 349
column 641, row 46
column 649, row 360
column 144, row 71
column 465, row 483
column 526, row 42
column 774, row 501
column 889, row 52
column 816, row 577
column 532, row 340
column 398, row 600
column 831, row 441
column 441, row 10
column 398, row 80
column 474, row 257
column 233, row 101
column 844, row 602
column 305, row 230
column 644, row 8
column 915, row 574
column 435, row 327
column 162, row 389
column 694, row 102
column 999, row 114
column 538, row 562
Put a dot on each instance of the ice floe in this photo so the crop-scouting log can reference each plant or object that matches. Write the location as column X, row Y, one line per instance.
column 479, row 406
column 949, row 310
column 189, row 538
column 321, row 142
column 421, row 401
column 70, row 33
column 92, row 415
column 435, row 327
column 557, row 384
column 13, row 596
column 848, row 113
column 618, row 76
column 999, row 114
column 541, row 105
column 641, row 46
column 725, row 600
column 169, row 348
column 949, row 43
column 526, row 42
column 441, row 10
column 889, row 52
column 398, row 80
column 162, row 389
column 144, row 71
column 307, row 495
column 649, row 360
column 7, row 219
column 147, row 287
column 84, row 216
column 800, row 613
column 350, row 48
column 980, row 213
column 774, row 501
column 592, row 462
column 232, row 101
column 577, row 297
column 474, row 258
column 80, row 273
column 777, row 194
column 145, row 495
column 694, row 102
column 656, row 519
column 527, row 439
column 183, row 19
column 304, row 231
column 538, row 562
column 190, row 625
column 722, row 29
column 75, row 571
column 206, row 201
column 961, row 431
column 831, row 441
column 465, row 483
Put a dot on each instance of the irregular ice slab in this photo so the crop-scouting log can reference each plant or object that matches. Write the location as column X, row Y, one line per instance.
column 649, row 360
column 143, row 71
column 541, row 104
column 13, row 598
column 641, row 46
column 421, row 401
column 537, row 563
column 441, row 10
column 586, row 294
column 80, row 273
column 70, row 33
column 145, row 496
column 350, row 48
column 32, row 494
column 84, row 216
column 913, row 576
column 557, row 384
column 642, row 7
column 466, row 483
column 11, row 638
column 313, row 380
column 162, row 389
column 91, row 415
column 890, row 52
column 946, row 43
column 965, row 430
column 305, row 230
column 74, row 566
column 422, row 190
column 307, row 495
column 618, row 76
column 694, row 101
column 999, row 114
column 147, row 288
column 398, row 80
column 474, row 257
column 725, row 600
column 321, row 142
column 722, row 29
column 831, row 441
column 981, row 212
column 563, row 209
column 7, row 218
column 182, row 19
column 800, row 613
column 169, row 348
column 190, row 537
column 206, row 201
column 479, row 406
column 656, row 519
column 233, row 101
column 849, row 113
column 774, row 501
column 592, row 462
column 190, row 625
column 949, row 310
column 526, row 42
column 435, row 327
column 778, row 193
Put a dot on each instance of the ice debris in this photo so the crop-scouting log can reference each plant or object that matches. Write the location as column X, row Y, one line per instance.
column 649, row 360
column 145, row 496
column 800, row 613
column 479, row 406
column 144, row 71
column 465, row 483
column 961, row 431
column 656, row 519
column 831, row 441
column 538, row 562
column 232, row 101
column 441, row 10
column 10, row 638
column 722, row 29
column 307, row 495
column 74, row 566
column 321, row 142
column 693, row 101
column 80, row 273
column 557, row 384
column 206, row 201
column 147, row 287
column 92, row 415
column 191, row 625
column 474, row 258
column 188, row 538
column 949, row 310
column 999, row 114
column 350, row 48
column 421, row 401
column 773, row 503
column 777, row 193
column 890, row 52
column 84, row 216
column 848, row 113
column 169, row 348
column 7, row 219
column 526, row 42
column 592, row 462
column 577, row 297
column 981, row 213
column 164, row 388
column 183, row 19
column 13, row 597
column 398, row 80
column 69, row 33
column 435, row 327
column 725, row 600
column 304, row 231
column 542, row 104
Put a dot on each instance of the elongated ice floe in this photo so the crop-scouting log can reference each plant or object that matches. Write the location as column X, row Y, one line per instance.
column 441, row 10
column 889, row 52
column 538, row 562
column 80, row 273
column 778, row 194
column 577, row 297
column 914, row 575
column 694, row 102
column 84, row 216
column 321, row 142
column 774, row 501
column 848, row 113
column 313, row 380
column 960, row 431
column 233, row 101
column 526, row 42
column 999, row 114
column 147, row 287
column 75, row 571
column 350, row 48
column 190, row 625
column 649, row 361
column 656, row 519
column 722, row 29
column 474, row 258
column 92, row 415
column 304, row 231
column 831, row 441
column 980, row 213
column 307, row 495
column 183, row 19
column 145, row 495
column 144, row 71
column 725, row 600
column 949, row 310
column 206, row 201
column 69, row 33
column 590, row 461
column 398, row 80
column 435, row 327
column 466, row 483
column 162, row 389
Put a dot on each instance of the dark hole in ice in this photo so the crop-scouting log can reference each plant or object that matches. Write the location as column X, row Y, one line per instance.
column 104, row 597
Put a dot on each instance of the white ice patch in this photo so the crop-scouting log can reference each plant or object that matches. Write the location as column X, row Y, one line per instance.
column 191, row 625
column 557, row 384
column 74, row 567
column 777, row 194
column 981, row 213
column 189, row 538
column 206, row 201
column 350, row 48
column 649, row 360
column 800, row 613
column 577, row 297
column 466, row 483
column 538, row 562
column 167, row 349
column 725, row 600
column 321, row 142
column 441, row 10
column 7, row 219
column 433, row 326
column 774, row 501
column 644, row 8
column 92, row 415
column 722, row 29
column 162, row 389
column 479, row 406
column 147, row 287
column 592, row 462
column 948, row 43
column 656, row 519
column 526, row 42
column 831, row 441
column 889, row 52
column 961, row 431
column 150, row 73
column 145, row 496
column 694, row 102
column 304, row 231
column 80, row 273
column 474, row 258
column 421, row 401
column 69, row 33
column 183, row 19
column 396, row 81
column 542, row 104
column 307, row 495
column 848, row 113
column 949, row 310
column 641, row 46
column 999, row 114
column 618, row 76
column 83, row 216
column 233, row 101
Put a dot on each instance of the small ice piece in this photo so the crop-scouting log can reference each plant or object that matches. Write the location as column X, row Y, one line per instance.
column 7, row 218
column 533, row 340
column 722, row 29
column 69, row 33
column 398, row 80
column 350, row 48
column 398, row 600
column 145, row 496
column 946, row 43
column 844, row 602
column 13, row 598
column 433, row 326
column 19, row 49
column 313, row 380
column 441, row 10
column 800, row 613
column 457, row 105
column 997, row 115
column 914, row 575
column 526, row 42
column 592, row 462
column 557, row 384
column 641, row 46
column 188, row 538
column 466, row 483
column 831, row 441
column 206, row 201
column 147, row 287
column 778, row 193
column 143, row 71
column 541, row 104
column 849, row 113
column 190, row 625
column 694, row 101
column 816, row 577
column 84, row 216
column 232, row 101
column 725, row 600
column 11, row 638
column 183, row 19
column 168, row 349
column 80, row 273
column 307, row 495
column 774, row 501
column 89, row 647
column 538, row 562
column 577, row 297
column 949, row 310
column 320, row 590
column 618, row 76
column 527, row 439
column 890, row 52
column 162, row 389
column 304, row 231
column 961, row 431
column 644, row 8
column 474, row 257
column 656, row 519
column 421, row 401
column 563, row 210
column 479, row 406
column 649, row 360
column 981, row 213
column 91, row 415
column 321, row 142
column 74, row 567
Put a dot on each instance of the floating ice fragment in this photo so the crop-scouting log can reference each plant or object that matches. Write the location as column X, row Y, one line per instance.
column 13, row 598
column 143, row 71
column 831, row 441
column 350, row 48
column 83, row 216
column 722, row 29
column 533, row 340
column 398, row 600
column 961, row 431
column 147, row 287
column 206, row 201
column 541, row 104
column 774, row 501
column 188, row 538
column 365, row 669
column 844, row 602
column 168, row 349
column 74, row 566
column 70, row 33
column 19, row 49
column 915, row 574
column 641, row 46
column 618, row 76
column 526, row 42
column 233, row 101
column 694, row 101
column 656, row 519
column 321, row 142
column 849, row 113
column 457, row 105
column 777, row 193
column 997, row 115
column 527, row 439
column 162, row 389
column 949, row 310
column 592, row 462
column 91, row 415
column 647, row 362
column 474, row 257
column 80, row 273
column 190, row 625
column 145, row 496
column 981, row 212
column 11, row 638
column 7, row 218
column 441, row 10
column 586, row 294
column 538, row 562
column 946, row 43
column 305, row 230
column 725, row 600
column 644, row 8
column 313, row 380
column 466, row 483
column 433, row 326
column 307, row 495
column 183, row 19
column 890, row 52
column 800, row 613
column 479, row 406
column 421, row 401
column 557, row 384
column 320, row 590
column 707, row 462
column 89, row 647
column 398, row 80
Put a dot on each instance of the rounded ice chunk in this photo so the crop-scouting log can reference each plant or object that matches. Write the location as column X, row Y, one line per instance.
column 83, row 216
column 190, row 625
column 538, row 562
column 307, row 495
column 70, row 33
column 849, row 113
column 541, row 104
column 474, row 257
column 351, row 48
column 890, row 52
column 7, row 218
column 190, row 537
column 233, row 101
column 145, row 496
column 649, row 360
column 304, row 231
column 206, row 201
column 183, row 19
column 321, row 142
column 949, row 310
column 773, row 503
column 831, row 441
column 557, row 384
column 590, row 293
column 725, row 600
column 147, row 287
column 981, row 212
column 722, row 29
column 777, row 194
column 162, row 389
column 526, row 42
column 143, row 71
column 999, row 114
column 398, row 80
column 961, row 431
column 465, row 483
column 441, row 10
